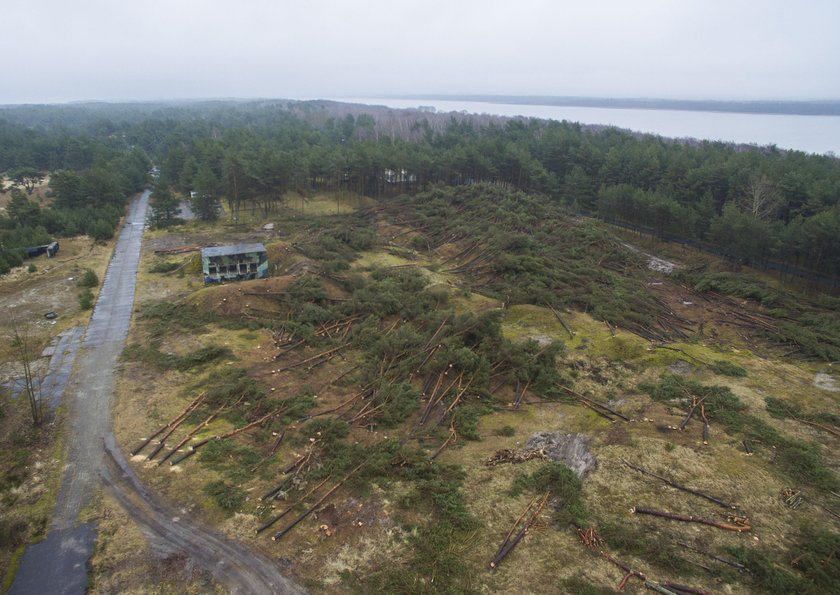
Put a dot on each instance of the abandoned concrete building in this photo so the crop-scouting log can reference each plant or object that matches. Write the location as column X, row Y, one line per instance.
column 234, row 263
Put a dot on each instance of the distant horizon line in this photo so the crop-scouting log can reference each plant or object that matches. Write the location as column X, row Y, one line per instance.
column 806, row 107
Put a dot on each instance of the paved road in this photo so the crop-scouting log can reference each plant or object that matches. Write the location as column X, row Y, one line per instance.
column 58, row 565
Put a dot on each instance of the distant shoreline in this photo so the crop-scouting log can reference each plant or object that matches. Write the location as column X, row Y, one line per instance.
column 787, row 108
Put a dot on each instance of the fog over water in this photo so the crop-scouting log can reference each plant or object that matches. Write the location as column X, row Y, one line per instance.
column 811, row 134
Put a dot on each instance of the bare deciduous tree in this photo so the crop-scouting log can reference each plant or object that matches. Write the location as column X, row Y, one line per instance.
column 32, row 385
column 762, row 198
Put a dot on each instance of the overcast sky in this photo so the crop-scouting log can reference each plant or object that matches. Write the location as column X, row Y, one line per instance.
column 68, row 50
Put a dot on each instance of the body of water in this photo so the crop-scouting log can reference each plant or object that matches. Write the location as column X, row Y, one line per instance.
column 811, row 134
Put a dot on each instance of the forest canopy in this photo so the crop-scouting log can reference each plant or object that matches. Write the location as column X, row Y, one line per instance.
column 750, row 203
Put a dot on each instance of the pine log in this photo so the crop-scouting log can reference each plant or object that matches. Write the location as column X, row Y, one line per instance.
column 688, row 417
column 690, row 519
column 685, row 589
column 440, row 449
column 276, row 518
column 560, row 320
column 309, row 511
column 814, row 424
column 178, row 418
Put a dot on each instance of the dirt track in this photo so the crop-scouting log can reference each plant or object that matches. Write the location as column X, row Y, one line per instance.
column 228, row 561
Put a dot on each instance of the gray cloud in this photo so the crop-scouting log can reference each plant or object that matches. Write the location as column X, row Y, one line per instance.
column 102, row 49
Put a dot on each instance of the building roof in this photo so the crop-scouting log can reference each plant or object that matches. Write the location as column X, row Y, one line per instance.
column 230, row 250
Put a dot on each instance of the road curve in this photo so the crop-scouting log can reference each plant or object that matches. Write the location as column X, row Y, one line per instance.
column 230, row 562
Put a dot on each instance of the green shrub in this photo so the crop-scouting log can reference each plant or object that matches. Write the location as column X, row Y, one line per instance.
column 506, row 431
column 228, row 457
column 163, row 266
column 726, row 368
column 88, row 279
column 86, row 299
column 31, row 268
column 465, row 419
column 226, row 496
column 557, row 478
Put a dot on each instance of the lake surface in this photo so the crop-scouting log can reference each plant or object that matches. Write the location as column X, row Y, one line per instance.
column 811, row 134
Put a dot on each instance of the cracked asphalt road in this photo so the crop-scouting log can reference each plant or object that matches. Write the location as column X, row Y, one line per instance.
column 58, row 565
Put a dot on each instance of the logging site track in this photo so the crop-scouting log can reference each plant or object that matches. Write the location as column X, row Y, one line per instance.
column 59, row 563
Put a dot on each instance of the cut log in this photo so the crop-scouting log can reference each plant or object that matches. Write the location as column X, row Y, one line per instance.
column 276, row 518
column 560, row 320
column 691, row 519
column 309, row 510
column 177, row 420
column 186, row 438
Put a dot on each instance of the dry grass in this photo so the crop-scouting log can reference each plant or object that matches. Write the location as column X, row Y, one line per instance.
column 604, row 365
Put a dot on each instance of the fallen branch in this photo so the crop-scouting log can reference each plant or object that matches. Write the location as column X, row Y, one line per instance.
column 673, row 484
column 691, row 519
column 629, row 571
column 446, row 442
column 814, row 424
column 508, row 544
column 731, row 563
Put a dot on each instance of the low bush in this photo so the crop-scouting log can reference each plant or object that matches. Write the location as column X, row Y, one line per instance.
column 86, row 299
column 226, row 496
column 88, row 279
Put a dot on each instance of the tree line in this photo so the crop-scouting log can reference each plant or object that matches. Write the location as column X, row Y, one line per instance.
column 753, row 202
column 90, row 177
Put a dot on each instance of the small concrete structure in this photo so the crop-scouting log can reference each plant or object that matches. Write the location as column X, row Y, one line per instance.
column 234, row 263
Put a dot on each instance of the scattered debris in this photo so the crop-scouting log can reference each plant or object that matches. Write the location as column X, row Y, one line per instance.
column 511, row 455
column 590, row 537
column 792, row 498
